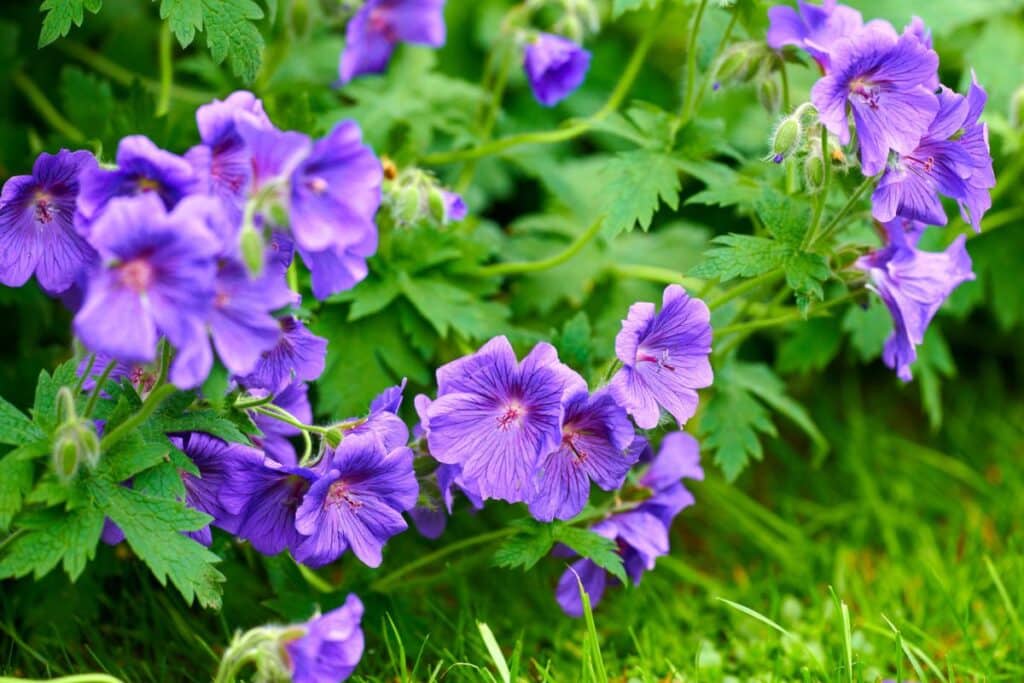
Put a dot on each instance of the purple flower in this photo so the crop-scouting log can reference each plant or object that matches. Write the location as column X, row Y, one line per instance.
column 497, row 417
column 665, row 358
column 267, row 495
column 919, row 30
column 156, row 278
column 335, row 191
column 37, row 233
column 382, row 424
column 815, row 28
column 357, row 502
column 331, row 647
column 339, row 269
column 555, row 67
column 595, row 446
column 218, row 463
column 142, row 168
column 948, row 160
column 904, row 231
column 454, row 206
column 275, row 440
column 371, row 35
column 223, row 163
column 913, row 285
column 298, row 356
column 884, row 79
column 642, row 533
column 274, row 154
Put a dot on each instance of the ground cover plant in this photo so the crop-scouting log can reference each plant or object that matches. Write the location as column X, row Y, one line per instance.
column 401, row 340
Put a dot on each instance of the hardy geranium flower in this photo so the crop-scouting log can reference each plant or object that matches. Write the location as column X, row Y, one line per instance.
column 497, row 417
column 223, row 162
column 267, row 496
column 665, row 358
column 217, row 462
column 383, row 423
column 298, row 356
column 952, row 159
column 913, row 285
column 454, row 206
column 379, row 25
column 37, row 233
column 156, row 279
column 641, row 533
column 883, row 77
column 596, row 436
column 815, row 28
column 331, row 646
column 357, row 502
column 142, row 168
column 555, row 67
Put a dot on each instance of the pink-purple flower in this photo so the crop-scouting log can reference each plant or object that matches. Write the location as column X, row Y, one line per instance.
column 379, row 25
column 883, row 79
column 665, row 358
column 913, row 284
column 330, row 647
column 815, row 28
column 298, row 356
column 555, row 66
column 496, row 417
column 37, row 233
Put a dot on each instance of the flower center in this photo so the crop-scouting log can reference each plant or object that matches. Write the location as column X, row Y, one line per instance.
column 341, row 493
column 571, row 440
column 867, row 92
column 382, row 23
column 317, row 185
column 148, row 185
column 512, row 417
column 45, row 211
column 136, row 275
column 662, row 359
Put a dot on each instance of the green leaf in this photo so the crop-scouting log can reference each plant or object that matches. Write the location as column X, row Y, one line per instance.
column 55, row 536
column 868, row 329
column 620, row 7
column 741, row 256
column 786, row 218
column 600, row 550
column 446, row 306
column 725, row 187
column 805, row 275
column 812, row 346
column 763, row 383
column 44, row 412
column 60, row 14
column 730, row 426
column 152, row 526
column 15, row 428
column 133, row 454
column 374, row 355
column 526, row 548
column 633, row 186
column 185, row 18
column 934, row 362
column 575, row 341
column 15, row 483
column 87, row 101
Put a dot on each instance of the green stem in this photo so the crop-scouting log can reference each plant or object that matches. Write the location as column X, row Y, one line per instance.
column 45, row 108
column 718, row 51
column 754, row 325
column 490, row 116
column 561, row 134
column 246, row 403
column 784, row 77
column 98, row 389
column 745, row 287
column 163, row 100
column 152, row 402
column 381, row 584
column 77, row 678
column 516, row 267
column 811, row 236
column 834, row 224
column 126, row 77
column 279, row 413
column 689, row 101
column 657, row 274
column 85, row 374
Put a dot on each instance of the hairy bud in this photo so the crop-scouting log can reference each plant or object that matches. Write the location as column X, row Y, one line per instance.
column 251, row 243
column 786, row 139
column 814, row 172
column 75, row 445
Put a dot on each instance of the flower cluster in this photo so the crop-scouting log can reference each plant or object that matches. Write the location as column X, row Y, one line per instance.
column 922, row 139
column 194, row 249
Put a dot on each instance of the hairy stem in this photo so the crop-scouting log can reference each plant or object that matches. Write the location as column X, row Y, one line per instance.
column 77, row 678
column 152, row 402
column 819, row 206
column 98, row 388
column 745, row 287
column 837, row 220
column 382, row 584
column 163, row 100
column 754, row 325
column 689, row 101
column 516, row 267
column 45, row 108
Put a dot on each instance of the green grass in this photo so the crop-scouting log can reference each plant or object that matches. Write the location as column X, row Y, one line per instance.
column 896, row 556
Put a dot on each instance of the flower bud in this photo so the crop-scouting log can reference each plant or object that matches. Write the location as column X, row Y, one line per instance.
column 407, row 204
column 438, row 205
column 252, row 246
column 1017, row 108
column 786, row 139
column 814, row 172
column 769, row 94
column 75, row 444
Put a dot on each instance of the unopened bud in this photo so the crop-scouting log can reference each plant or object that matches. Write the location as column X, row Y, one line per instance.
column 438, row 208
column 814, row 172
column 76, row 444
column 734, row 64
column 786, row 138
column 769, row 94
column 252, row 249
column 1017, row 108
